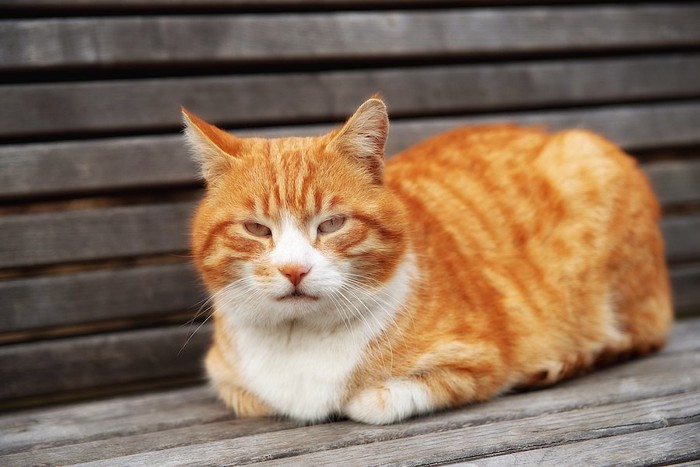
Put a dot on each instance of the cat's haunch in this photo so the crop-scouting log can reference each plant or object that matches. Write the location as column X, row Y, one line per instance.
column 479, row 260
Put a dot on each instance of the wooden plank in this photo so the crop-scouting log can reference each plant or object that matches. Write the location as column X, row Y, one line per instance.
column 346, row 432
column 130, row 105
column 681, row 236
column 322, row 444
column 675, row 182
column 49, row 367
column 380, row 36
column 685, row 280
column 35, row 239
column 159, row 290
column 286, row 5
column 174, row 409
column 40, row 368
column 128, row 163
column 92, row 296
column 654, row 447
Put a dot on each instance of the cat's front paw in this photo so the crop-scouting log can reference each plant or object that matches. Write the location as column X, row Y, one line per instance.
column 243, row 403
column 394, row 401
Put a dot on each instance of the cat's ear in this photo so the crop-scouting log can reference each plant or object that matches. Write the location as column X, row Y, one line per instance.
column 363, row 137
column 212, row 148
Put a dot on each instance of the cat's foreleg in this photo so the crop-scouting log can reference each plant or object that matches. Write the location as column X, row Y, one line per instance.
column 224, row 379
column 451, row 375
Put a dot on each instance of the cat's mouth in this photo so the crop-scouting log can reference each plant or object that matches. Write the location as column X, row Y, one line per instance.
column 296, row 295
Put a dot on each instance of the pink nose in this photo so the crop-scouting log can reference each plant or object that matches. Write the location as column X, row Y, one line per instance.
column 294, row 272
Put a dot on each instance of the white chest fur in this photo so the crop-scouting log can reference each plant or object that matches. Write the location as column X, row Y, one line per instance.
column 300, row 372
column 303, row 372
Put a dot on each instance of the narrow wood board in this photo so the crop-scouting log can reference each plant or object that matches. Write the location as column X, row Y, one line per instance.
column 321, row 444
column 259, row 100
column 674, row 371
column 39, row 239
column 139, row 292
column 606, row 392
column 360, row 36
column 94, row 296
column 654, row 447
column 54, row 366
column 91, row 234
column 152, row 161
column 285, row 5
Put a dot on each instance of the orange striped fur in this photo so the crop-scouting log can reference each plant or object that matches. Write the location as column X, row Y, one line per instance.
column 477, row 261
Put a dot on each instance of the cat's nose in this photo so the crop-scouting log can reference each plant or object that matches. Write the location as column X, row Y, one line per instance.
column 294, row 272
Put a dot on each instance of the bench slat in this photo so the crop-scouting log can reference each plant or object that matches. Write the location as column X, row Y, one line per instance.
column 128, row 163
column 54, row 366
column 327, row 444
column 265, row 99
column 83, row 235
column 154, row 422
column 681, row 236
column 160, row 291
column 87, row 297
column 685, row 281
column 676, row 181
column 657, row 447
column 69, row 5
column 207, row 432
column 41, row 239
column 39, row 44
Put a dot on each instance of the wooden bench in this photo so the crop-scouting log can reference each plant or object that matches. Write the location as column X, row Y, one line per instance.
column 96, row 192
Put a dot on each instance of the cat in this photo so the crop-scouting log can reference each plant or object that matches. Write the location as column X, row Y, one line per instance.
column 480, row 260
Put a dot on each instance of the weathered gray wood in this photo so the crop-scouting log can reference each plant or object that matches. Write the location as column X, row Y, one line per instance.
column 149, row 229
column 127, row 163
column 159, row 290
column 342, row 445
column 36, row 44
column 686, row 288
column 675, row 182
column 138, row 415
column 264, row 99
column 94, row 234
column 654, row 447
column 45, row 440
column 40, row 368
column 671, row 372
column 681, row 236
column 135, row 292
column 32, row 5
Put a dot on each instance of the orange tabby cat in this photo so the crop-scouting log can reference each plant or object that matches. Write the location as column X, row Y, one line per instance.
column 477, row 261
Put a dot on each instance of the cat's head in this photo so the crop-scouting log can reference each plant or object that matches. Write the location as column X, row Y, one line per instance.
column 297, row 229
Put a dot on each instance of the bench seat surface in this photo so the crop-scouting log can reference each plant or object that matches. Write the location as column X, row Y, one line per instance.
column 642, row 412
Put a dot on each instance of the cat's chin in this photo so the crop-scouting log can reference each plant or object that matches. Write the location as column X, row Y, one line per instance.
column 296, row 296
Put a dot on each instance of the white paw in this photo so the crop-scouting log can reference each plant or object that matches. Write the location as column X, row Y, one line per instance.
column 394, row 401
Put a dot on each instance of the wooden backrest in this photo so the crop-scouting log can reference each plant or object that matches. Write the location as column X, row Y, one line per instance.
column 96, row 188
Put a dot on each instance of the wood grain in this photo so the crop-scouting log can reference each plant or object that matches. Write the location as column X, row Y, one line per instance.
column 655, row 447
column 259, row 100
column 49, row 238
column 681, row 236
column 47, row 367
column 685, row 282
column 361, row 36
column 319, row 445
column 285, row 5
column 153, row 161
column 675, row 370
column 93, row 296
column 160, row 290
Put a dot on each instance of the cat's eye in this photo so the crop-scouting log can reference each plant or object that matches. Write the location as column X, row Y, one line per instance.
column 258, row 230
column 331, row 225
